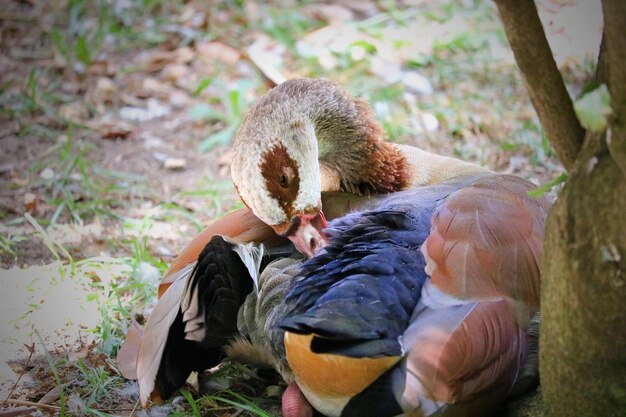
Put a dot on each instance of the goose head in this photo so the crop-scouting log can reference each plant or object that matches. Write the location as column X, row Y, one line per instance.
column 304, row 137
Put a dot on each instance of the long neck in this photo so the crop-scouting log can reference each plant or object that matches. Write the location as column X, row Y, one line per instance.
column 352, row 154
column 429, row 168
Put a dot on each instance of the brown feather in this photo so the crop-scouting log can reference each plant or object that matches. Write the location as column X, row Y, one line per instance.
column 241, row 225
column 486, row 240
column 457, row 355
column 484, row 352
column 127, row 355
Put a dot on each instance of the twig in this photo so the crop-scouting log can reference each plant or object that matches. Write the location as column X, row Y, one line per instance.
column 614, row 21
column 16, row 411
column 111, row 410
column 33, row 404
column 57, row 408
column 237, row 413
column 543, row 79
column 132, row 412
column 31, row 349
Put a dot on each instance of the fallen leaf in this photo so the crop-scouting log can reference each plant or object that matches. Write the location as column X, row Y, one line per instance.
column 75, row 111
column 267, row 58
column 217, row 50
column 154, row 110
column 18, row 411
column 103, row 92
column 50, row 396
column 417, row 83
column 328, row 12
column 47, row 174
column 151, row 87
column 179, row 99
column 156, row 61
column 102, row 68
column 113, row 128
column 31, row 202
column 425, row 122
column 174, row 72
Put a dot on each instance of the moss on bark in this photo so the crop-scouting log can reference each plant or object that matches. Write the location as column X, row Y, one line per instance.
column 583, row 336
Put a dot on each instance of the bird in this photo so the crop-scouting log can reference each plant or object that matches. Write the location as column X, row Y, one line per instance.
column 421, row 306
column 163, row 354
column 207, row 284
column 308, row 138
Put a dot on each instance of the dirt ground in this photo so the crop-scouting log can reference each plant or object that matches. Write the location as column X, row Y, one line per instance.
column 103, row 112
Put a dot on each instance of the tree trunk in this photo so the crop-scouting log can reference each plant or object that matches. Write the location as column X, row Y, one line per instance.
column 583, row 339
column 583, row 335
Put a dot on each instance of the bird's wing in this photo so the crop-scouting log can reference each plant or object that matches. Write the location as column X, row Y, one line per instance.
column 486, row 243
column 156, row 332
column 457, row 352
column 196, row 317
column 352, row 304
column 179, row 295
column 240, row 225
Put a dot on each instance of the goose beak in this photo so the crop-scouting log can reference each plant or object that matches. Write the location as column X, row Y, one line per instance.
column 306, row 231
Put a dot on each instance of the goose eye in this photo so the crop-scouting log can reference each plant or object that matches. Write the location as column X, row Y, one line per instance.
column 283, row 181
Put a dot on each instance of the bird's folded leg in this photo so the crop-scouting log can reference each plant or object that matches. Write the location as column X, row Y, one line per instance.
column 294, row 404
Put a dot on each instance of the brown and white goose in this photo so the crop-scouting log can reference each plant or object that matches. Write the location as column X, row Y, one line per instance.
column 307, row 136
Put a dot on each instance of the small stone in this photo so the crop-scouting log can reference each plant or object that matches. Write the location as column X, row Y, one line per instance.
column 430, row 122
column 47, row 174
column 105, row 90
column 273, row 391
column 31, row 201
column 417, row 83
column 174, row 72
column 175, row 164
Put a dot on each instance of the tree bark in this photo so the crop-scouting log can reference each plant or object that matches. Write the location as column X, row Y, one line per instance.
column 614, row 27
column 543, row 79
column 583, row 336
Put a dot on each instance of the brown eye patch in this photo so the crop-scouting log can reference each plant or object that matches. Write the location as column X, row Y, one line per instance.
column 280, row 173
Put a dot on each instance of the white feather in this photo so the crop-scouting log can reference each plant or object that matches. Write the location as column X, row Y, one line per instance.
column 155, row 334
column 251, row 255
column 433, row 297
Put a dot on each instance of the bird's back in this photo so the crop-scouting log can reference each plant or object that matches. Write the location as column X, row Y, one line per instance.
column 370, row 334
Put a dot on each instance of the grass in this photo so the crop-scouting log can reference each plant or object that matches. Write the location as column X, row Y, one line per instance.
column 55, row 372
